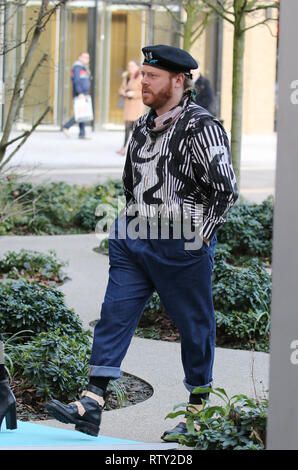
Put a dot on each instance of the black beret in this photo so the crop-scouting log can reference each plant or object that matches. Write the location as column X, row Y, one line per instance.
column 169, row 58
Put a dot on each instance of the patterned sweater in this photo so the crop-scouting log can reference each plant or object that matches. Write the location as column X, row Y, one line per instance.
column 187, row 164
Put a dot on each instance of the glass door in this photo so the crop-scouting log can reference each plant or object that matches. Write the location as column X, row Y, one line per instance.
column 76, row 42
column 128, row 30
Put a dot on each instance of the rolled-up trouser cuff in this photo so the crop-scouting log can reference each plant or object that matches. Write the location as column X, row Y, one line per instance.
column 191, row 388
column 105, row 371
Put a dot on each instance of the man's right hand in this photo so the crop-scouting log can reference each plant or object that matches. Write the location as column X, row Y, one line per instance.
column 81, row 95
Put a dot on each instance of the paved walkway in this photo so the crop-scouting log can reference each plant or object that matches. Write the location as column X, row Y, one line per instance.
column 156, row 362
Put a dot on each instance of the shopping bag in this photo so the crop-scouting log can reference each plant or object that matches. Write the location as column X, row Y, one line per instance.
column 83, row 110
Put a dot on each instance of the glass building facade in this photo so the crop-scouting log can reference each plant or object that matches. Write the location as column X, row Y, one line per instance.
column 112, row 33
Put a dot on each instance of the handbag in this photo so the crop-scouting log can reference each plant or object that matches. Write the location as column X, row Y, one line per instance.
column 83, row 110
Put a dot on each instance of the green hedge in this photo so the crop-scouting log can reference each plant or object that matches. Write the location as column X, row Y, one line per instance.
column 31, row 264
column 54, row 363
column 52, row 208
column 34, row 307
column 248, row 229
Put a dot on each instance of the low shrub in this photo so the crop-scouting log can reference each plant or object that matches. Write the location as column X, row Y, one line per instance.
column 56, row 365
column 109, row 191
column 242, row 289
column 242, row 298
column 30, row 264
column 30, row 306
column 248, row 229
column 238, row 424
column 53, row 208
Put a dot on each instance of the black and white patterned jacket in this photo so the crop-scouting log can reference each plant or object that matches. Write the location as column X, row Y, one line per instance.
column 187, row 164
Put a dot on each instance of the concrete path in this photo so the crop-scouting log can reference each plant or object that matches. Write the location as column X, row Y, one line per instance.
column 156, row 362
column 52, row 156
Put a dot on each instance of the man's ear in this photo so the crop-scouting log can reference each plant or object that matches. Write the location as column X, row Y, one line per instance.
column 180, row 77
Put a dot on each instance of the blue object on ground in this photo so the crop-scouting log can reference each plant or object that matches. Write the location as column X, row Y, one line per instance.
column 30, row 435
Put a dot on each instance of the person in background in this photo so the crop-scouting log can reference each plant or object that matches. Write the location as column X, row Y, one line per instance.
column 131, row 90
column 80, row 77
column 205, row 95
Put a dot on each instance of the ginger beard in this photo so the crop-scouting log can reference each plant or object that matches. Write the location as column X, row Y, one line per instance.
column 160, row 98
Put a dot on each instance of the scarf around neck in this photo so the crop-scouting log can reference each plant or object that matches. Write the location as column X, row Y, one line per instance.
column 157, row 124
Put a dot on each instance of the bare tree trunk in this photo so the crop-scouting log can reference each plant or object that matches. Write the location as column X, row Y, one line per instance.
column 192, row 17
column 237, row 94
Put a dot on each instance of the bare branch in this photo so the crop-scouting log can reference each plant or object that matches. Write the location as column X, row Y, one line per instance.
column 6, row 49
column 175, row 17
column 4, row 146
column 219, row 12
column 252, row 3
column 44, row 16
column 7, row 213
column 26, row 135
column 251, row 6
column 197, row 32
column 265, row 23
column 221, row 6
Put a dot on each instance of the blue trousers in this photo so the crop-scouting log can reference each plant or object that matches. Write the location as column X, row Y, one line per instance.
column 71, row 122
column 183, row 280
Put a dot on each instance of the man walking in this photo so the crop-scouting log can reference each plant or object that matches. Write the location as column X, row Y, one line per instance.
column 178, row 160
column 80, row 77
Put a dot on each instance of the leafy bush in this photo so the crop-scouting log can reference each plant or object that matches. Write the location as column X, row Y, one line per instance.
column 55, row 364
column 54, row 208
column 248, row 229
column 25, row 306
column 242, row 298
column 104, row 205
column 85, row 216
column 32, row 264
column 239, row 424
column 154, row 305
column 242, row 289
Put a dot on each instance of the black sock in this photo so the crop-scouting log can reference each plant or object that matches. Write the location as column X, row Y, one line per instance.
column 196, row 398
column 100, row 382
